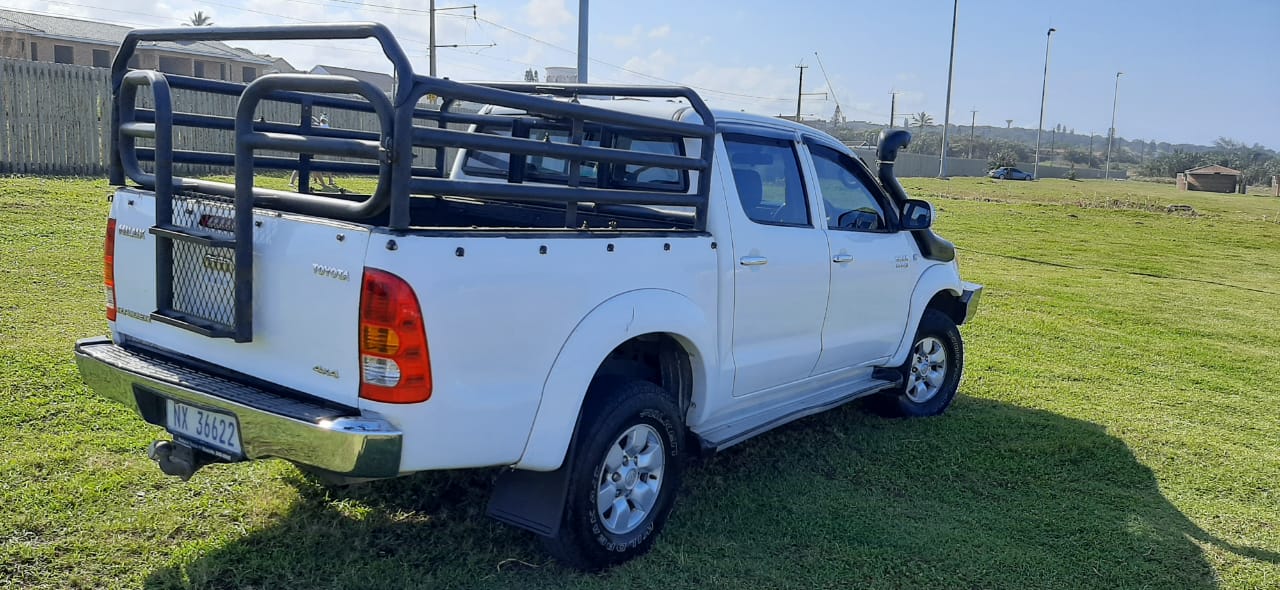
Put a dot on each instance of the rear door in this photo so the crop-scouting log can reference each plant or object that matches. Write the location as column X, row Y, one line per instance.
column 781, row 274
column 306, row 293
column 872, row 264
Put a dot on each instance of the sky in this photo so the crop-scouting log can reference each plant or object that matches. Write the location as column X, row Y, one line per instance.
column 1193, row 71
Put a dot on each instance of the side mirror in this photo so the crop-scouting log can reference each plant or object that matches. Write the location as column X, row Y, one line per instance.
column 916, row 215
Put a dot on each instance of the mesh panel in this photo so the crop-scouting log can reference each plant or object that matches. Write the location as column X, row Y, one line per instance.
column 204, row 277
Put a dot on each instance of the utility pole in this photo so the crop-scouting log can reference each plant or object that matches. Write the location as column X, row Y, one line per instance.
column 1053, row 142
column 972, row 121
column 1044, row 87
column 893, row 107
column 432, row 46
column 951, row 67
column 1111, row 135
column 800, row 93
column 431, row 37
column 582, row 41
column 1091, row 149
column 799, row 89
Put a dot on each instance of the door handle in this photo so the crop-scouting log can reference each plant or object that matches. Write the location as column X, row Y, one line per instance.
column 842, row 258
column 753, row 260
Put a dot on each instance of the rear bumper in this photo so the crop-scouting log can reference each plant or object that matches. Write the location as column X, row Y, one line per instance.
column 336, row 440
column 970, row 297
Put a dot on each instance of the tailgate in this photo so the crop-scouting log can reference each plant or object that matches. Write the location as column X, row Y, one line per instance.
column 306, row 292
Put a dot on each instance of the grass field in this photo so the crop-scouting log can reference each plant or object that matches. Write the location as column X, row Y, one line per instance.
column 1119, row 427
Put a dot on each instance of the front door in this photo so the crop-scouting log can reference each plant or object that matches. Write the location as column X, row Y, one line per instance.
column 873, row 266
column 781, row 270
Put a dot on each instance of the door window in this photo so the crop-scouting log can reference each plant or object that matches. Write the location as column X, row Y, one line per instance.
column 766, row 173
column 850, row 202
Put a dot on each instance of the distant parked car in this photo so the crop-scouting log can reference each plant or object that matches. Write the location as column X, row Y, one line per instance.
column 1010, row 173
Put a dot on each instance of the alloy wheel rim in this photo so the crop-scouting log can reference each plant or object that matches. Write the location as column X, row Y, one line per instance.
column 630, row 478
column 926, row 369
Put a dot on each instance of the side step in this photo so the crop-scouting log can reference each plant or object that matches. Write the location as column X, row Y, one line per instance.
column 726, row 435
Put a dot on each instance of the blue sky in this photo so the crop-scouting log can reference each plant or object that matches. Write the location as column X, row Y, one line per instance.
column 1193, row 70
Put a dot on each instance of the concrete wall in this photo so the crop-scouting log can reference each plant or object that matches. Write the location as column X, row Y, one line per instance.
column 1214, row 183
column 916, row 165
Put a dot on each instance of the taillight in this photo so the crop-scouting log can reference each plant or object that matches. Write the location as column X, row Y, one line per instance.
column 109, row 269
column 395, row 366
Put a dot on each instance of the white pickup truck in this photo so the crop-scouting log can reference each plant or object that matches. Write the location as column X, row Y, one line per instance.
column 604, row 282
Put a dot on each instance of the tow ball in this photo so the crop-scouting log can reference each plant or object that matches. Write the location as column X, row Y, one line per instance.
column 175, row 458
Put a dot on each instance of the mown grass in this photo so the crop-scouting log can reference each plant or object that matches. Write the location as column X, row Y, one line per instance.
column 1118, row 427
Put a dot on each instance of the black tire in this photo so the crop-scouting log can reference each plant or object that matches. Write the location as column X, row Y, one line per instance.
column 897, row 402
column 614, row 408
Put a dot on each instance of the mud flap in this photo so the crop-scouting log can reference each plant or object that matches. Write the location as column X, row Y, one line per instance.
column 531, row 500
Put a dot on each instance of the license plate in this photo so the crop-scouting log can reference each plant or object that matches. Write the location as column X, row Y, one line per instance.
column 213, row 429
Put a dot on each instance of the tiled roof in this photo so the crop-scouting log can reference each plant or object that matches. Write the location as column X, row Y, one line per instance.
column 383, row 82
column 74, row 29
column 1213, row 169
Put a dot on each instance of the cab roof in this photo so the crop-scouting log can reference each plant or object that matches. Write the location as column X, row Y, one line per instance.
column 680, row 110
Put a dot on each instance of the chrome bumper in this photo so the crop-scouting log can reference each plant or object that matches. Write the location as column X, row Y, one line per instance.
column 972, row 293
column 270, row 425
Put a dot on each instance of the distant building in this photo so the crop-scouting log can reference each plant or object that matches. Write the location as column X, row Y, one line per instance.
column 383, row 82
column 279, row 65
column 559, row 75
column 1212, row 178
column 57, row 39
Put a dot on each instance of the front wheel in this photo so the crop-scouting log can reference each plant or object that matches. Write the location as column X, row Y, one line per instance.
column 627, row 463
column 932, row 372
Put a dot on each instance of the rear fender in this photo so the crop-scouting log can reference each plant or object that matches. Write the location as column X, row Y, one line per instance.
column 621, row 318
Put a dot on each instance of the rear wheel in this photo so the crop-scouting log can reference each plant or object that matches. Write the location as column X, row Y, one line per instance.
column 932, row 372
column 626, row 466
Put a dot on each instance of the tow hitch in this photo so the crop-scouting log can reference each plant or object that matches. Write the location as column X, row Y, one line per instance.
column 175, row 458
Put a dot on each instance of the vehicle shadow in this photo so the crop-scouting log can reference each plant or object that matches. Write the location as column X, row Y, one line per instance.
column 989, row 496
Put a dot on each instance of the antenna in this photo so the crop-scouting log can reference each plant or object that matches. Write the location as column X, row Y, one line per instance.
column 830, row 88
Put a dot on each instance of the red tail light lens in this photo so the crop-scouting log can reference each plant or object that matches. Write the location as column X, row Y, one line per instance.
column 109, row 269
column 395, row 366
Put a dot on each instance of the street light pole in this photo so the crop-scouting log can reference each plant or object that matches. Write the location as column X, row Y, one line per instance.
column 582, row 41
column 1044, row 87
column 972, row 121
column 893, row 106
column 800, row 90
column 951, row 66
column 1112, row 134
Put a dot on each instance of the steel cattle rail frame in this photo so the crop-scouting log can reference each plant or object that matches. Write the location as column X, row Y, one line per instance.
column 388, row 152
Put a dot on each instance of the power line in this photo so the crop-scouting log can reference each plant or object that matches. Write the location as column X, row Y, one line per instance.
column 474, row 17
column 156, row 18
column 828, row 79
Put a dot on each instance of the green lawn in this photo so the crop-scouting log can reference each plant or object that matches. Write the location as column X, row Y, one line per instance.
column 1119, row 427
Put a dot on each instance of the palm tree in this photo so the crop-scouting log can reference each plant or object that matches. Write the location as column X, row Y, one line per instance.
column 921, row 120
column 199, row 19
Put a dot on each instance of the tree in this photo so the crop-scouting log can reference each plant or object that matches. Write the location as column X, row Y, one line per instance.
column 199, row 19
column 531, row 75
column 1001, row 159
column 921, row 120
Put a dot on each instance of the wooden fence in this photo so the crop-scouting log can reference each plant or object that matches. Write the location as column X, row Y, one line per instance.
column 55, row 119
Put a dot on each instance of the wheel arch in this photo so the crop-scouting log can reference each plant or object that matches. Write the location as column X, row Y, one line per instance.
column 936, row 288
column 614, row 339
